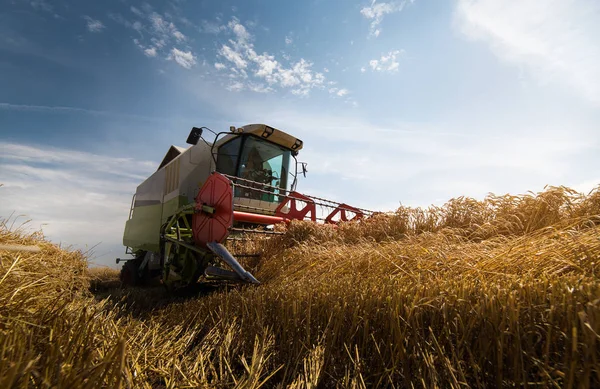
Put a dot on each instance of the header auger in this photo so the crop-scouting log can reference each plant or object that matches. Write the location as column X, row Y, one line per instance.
column 200, row 198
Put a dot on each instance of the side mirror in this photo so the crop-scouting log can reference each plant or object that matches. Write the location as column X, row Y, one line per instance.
column 194, row 136
column 304, row 168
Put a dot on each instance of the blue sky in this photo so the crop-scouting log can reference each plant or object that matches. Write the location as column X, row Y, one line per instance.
column 410, row 102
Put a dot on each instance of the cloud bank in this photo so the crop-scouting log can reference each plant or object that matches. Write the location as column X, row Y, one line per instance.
column 555, row 41
column 77, row 198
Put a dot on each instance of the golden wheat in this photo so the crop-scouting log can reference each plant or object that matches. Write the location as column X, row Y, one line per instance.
column 493, row 293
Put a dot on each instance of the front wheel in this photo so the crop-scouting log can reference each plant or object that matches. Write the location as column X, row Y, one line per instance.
column 129, row 274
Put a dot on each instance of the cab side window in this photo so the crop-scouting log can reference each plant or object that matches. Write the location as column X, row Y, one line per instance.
column 228, row 156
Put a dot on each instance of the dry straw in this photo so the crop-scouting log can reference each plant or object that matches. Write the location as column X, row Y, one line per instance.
column 495, row 293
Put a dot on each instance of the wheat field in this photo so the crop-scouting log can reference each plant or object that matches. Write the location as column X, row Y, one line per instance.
column 502, row 292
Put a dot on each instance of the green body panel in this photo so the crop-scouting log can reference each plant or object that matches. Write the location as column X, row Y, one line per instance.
column 172, row 206
column 142, row 231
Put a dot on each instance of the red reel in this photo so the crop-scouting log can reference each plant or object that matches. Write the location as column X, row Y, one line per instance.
column 218, row 194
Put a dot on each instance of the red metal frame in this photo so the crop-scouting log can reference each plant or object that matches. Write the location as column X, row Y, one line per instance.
column 217, row 193
column 309, row 210
column 342, row 209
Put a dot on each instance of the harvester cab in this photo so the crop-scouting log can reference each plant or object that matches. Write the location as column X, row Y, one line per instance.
column 186, row 216
column 264, row 158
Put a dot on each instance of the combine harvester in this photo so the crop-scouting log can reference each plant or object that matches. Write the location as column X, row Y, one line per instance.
column 201, row 197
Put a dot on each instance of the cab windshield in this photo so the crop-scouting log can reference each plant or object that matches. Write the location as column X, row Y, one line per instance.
column 260, row 161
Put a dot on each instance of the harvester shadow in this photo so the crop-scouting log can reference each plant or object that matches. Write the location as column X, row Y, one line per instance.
column 139, row 302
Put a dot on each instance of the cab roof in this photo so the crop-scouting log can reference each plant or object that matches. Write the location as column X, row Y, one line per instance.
column 265, row 132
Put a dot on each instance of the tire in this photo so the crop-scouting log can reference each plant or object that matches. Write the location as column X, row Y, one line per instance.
column 129, row 274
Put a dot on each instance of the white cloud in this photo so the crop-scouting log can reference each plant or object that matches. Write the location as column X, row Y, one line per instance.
column 555, row 41
column 140, row 45
column 376, row 11
column 159, row 24
column 86, row 197
column 164, row 28
column 184, row 58
column 239, row 30
column 178, row 35
column 300, row 92
column 41, row 5
column 288, row 40
column 287, row 78
column 219, row 66
column 160, row 43
column 137, row 12
column 235, row 86
column 72, row 110
column 424, row 161
column 233, row 56
column 266, row 66
column 436, row 153
column 259, row 88
column 298, row 76
column 211, row 27
column 161, row 33
column 386, row 63
column 94, row 25
column 150, row 52
column 340, row 92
